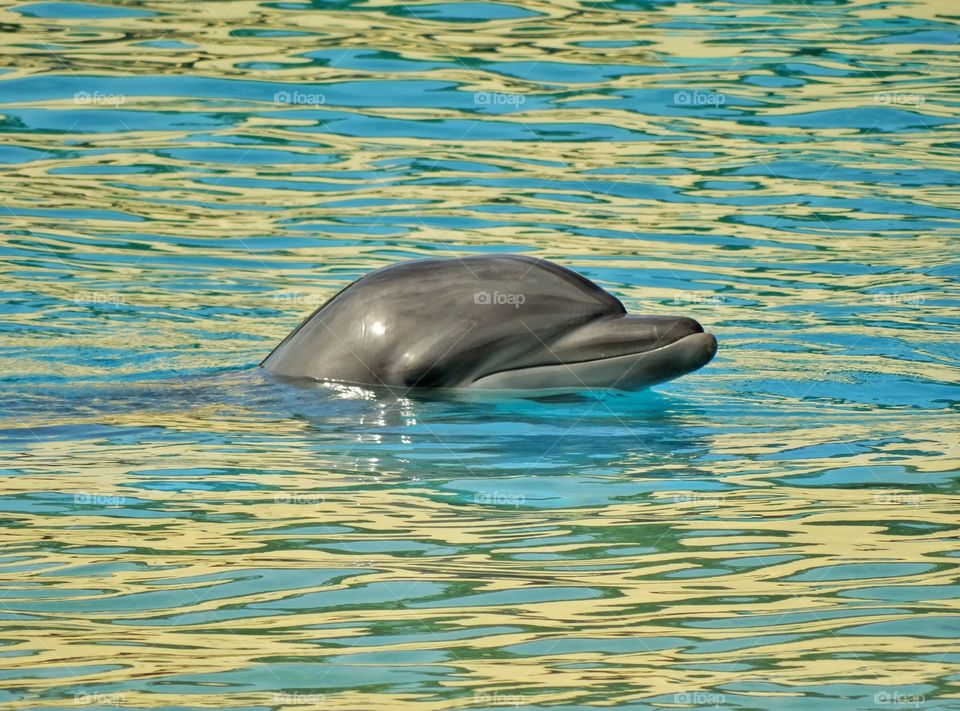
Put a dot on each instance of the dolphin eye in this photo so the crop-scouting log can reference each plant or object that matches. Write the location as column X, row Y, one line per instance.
column 378, row 328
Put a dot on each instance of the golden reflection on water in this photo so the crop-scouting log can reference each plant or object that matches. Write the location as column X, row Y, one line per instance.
column 227, row 534
column 182, row 554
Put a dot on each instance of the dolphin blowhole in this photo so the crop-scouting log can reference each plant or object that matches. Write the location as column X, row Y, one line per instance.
column 492, row 322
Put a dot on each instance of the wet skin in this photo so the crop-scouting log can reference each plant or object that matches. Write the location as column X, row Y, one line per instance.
column 501, row 322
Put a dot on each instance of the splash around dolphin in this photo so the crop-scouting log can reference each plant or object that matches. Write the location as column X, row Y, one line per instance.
column 492, row 322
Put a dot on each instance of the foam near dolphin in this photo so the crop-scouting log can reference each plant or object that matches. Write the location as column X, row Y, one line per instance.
column 502, row 322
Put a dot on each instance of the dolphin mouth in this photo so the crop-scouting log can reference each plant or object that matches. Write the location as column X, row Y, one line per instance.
column 620, row 335
column 624, row 352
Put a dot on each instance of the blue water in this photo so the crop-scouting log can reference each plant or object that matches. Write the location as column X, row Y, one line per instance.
column 184, row 182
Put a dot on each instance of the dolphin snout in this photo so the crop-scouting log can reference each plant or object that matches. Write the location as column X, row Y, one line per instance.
column 683, row 324
column 623, row 335
column 700, row 348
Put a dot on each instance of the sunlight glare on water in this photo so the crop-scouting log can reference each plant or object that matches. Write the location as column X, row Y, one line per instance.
column 184, row 181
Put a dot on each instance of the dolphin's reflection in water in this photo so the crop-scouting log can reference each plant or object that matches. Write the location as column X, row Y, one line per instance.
column 430, row 431
column 420, row 434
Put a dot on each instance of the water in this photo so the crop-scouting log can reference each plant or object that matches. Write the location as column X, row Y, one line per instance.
column 183, row 182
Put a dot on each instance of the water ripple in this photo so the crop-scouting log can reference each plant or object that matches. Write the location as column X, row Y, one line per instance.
column 183, row 182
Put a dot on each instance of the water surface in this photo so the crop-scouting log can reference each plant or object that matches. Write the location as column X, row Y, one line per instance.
column 183, row 182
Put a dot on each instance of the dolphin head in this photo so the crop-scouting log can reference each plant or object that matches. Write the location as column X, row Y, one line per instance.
column 501, row 322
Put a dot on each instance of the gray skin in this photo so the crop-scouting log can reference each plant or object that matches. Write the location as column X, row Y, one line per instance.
column 501, row 322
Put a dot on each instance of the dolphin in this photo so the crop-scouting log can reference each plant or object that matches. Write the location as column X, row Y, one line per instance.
column 493, row 322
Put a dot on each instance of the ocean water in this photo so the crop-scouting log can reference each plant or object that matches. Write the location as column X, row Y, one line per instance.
column 183, row 182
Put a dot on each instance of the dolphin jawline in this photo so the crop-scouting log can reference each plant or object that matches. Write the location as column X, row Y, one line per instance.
column 629, row 371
